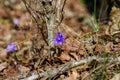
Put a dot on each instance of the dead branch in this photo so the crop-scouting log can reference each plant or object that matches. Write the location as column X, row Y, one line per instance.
column 68, row 66
column 46, row 13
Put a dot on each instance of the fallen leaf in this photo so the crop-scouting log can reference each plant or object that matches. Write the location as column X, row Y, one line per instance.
column 99, row 48
column 64, row 56
column 109, row 46
column 73, row 75
column 3, row 54
column 74, row 55
column 10, row 71
column 3, row 65
column 71, row 45
column 116, row 77
column 23, row 69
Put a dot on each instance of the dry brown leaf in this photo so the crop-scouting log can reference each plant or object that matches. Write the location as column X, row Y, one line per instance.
column 109, row 46
column 99, row 48
column 3, row 13
column 23, row 69
column 74, row 55
column 106, row 37
column 71, row 45
column 3, row 65
column 116, row 77
column 10, row 71
column 85, row 77
column 73, row 75
column 82, row 50
column 3, row 54
column 64, row 56
column 89, row 47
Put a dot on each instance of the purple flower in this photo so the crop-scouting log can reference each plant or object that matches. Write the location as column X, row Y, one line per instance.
column 60, row 38
column 16, row 21
column 11, row 47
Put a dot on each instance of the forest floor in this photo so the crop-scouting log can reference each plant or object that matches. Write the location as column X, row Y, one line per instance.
column 85, row 54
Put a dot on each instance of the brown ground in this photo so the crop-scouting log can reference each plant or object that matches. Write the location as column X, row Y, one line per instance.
column 31, row 56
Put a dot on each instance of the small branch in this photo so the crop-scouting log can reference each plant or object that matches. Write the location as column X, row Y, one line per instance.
column 114, row 33
column 30, row 10
column 27, row 7
column 68, row 66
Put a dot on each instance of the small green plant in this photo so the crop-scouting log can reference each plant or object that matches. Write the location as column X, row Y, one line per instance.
column 95, row 27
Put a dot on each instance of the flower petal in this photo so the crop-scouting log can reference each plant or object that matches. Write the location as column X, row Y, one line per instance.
column 60, row 38
column 11, row 47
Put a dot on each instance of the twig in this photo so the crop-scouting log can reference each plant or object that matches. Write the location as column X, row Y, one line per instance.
column 99, row 67
column 68, row 66
column 114, row 33
column 28, row 7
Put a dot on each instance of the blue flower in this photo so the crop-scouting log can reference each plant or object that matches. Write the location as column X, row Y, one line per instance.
column 16, row 21
column 11, row 47
column 60, row 38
